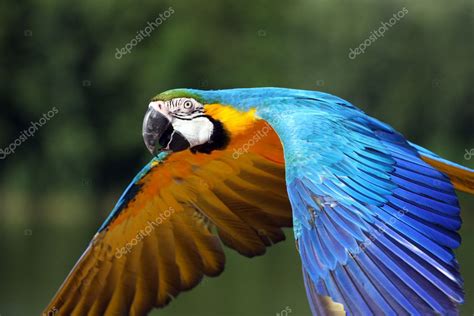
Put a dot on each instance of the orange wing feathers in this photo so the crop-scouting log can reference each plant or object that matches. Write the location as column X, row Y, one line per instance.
column 462, row 179
column 163, row 242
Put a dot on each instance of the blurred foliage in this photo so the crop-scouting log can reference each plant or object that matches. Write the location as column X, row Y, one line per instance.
column 60, row 184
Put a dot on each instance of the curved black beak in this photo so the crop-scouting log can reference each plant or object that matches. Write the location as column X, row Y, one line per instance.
column 159, row 134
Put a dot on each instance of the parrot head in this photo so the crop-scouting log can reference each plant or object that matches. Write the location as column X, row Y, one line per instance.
column 179, row 122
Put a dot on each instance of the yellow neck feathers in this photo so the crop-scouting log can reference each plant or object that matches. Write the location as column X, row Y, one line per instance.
column 234, row 121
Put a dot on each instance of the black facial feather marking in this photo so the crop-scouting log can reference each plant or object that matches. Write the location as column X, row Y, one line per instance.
column 219, row 139
column 188, row 118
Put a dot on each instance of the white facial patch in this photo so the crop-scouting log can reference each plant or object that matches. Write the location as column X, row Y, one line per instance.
column 197, row 131
column 161, row 107
column 157, row 105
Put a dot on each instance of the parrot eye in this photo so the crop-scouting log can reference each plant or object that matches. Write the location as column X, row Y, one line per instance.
column 188, row 104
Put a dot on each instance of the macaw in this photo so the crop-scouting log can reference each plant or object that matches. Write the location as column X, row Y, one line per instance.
column 375, row 217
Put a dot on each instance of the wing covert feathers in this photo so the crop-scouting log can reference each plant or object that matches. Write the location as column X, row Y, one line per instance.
column 169, row 233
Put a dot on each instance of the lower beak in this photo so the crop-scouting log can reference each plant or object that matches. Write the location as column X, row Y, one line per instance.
column 159, row 135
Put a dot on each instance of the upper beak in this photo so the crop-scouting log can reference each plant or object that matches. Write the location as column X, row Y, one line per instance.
column 159, row 134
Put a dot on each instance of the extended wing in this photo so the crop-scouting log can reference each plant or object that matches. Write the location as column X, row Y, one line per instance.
column 166, row 231
column 376, row 224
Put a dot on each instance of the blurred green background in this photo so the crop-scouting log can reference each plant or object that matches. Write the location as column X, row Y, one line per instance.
column 60, row 184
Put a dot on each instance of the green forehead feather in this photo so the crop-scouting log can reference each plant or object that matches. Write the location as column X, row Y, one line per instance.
column 176, row 93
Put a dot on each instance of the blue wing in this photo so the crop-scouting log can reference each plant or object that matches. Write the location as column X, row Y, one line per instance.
column 376, row 225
